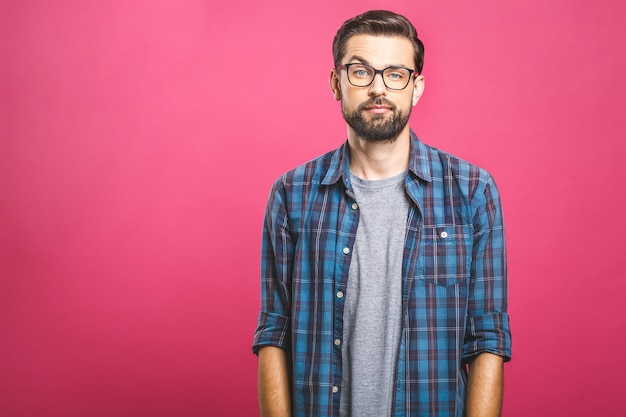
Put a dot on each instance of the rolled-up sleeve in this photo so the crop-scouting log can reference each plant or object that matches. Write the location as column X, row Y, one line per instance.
column 487, row 327
column 277, row 251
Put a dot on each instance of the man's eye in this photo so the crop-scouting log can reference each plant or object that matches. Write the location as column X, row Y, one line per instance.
column 360, row 72
column 396, row 76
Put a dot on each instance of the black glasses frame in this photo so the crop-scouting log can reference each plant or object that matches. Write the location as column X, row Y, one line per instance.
column 376, row 71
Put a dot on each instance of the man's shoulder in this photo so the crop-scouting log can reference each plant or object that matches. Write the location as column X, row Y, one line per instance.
column 445, row 164
column 313, row 171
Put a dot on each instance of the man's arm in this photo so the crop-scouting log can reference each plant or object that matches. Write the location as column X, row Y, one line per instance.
column 271, row 339
column 274, row 386
column 488, row 336
column 484, row 387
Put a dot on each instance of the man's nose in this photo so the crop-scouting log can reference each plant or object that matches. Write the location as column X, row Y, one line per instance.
column 378, row 87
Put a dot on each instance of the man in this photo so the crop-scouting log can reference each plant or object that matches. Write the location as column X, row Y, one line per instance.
column 384, row 266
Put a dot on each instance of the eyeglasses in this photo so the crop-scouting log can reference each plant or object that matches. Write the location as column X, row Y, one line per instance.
column 361, row 75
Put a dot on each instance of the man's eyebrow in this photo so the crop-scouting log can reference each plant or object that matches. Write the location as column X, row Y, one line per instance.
column 360, row 59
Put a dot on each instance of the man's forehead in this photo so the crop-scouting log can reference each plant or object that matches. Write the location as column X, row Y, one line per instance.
column 375, row 49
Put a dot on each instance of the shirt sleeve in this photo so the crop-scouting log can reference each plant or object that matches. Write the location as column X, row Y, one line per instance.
column 277, row 251
column 487, row 328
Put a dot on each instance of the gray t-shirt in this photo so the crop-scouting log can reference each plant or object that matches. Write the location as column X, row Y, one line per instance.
column 373, row 309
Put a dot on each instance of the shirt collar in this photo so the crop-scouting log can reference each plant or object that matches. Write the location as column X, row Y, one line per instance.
column 419, row 159
column 419, row 163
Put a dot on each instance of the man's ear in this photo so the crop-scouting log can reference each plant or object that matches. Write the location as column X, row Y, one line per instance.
column 334, row 83
column 418, row 88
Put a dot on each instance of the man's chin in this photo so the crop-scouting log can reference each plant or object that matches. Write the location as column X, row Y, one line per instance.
column 376, row 134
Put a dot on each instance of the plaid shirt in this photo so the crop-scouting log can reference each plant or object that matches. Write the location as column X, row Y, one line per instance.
column 453, row 273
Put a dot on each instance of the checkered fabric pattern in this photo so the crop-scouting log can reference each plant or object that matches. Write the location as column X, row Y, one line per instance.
column 454, row 279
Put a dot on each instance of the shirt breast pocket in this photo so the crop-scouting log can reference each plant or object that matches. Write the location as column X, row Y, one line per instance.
column 445, row 253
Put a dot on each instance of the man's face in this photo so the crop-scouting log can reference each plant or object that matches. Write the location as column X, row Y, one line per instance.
column 376, row 113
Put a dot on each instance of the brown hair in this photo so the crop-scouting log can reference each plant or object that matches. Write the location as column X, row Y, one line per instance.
column 378, row 23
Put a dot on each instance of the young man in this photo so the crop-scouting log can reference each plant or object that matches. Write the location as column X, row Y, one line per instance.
column 384, row 265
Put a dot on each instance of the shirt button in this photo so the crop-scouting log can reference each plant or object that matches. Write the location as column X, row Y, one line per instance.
column 346, row 250
column 339, row 294
column 337, row 342
column 355, row 206
column 444, row 234
column 335, row 389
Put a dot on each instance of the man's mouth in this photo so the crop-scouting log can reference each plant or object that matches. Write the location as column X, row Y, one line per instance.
column 378, row 109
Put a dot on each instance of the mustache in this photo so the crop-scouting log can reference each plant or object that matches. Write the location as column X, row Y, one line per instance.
column 376, row 101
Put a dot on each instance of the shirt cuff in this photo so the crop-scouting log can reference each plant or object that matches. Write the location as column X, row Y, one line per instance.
column 488, row 333
column 273, row 330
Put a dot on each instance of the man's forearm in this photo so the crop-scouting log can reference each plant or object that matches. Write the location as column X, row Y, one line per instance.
column 273, row 384
column 484, row 388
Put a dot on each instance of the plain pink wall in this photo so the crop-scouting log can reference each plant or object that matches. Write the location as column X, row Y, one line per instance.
column 139, row 139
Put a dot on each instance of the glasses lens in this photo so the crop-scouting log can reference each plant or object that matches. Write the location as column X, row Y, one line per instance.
column 396, row 78
column 360, row 75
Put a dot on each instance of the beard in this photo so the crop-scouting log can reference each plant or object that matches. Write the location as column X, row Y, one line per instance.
column 376, row 127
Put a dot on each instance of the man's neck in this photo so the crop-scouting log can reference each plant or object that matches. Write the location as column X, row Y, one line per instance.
column 379, row 160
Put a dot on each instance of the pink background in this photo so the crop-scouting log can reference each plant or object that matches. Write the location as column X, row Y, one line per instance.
column 139, row 139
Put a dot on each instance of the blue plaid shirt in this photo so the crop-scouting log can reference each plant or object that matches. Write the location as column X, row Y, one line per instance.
column 454, row 279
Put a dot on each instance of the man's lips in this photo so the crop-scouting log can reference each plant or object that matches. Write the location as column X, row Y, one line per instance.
column 378, row 109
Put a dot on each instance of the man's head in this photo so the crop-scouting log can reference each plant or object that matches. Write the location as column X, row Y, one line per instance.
column 378, row 60
column 378, row 23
